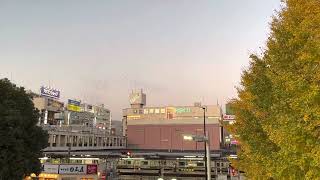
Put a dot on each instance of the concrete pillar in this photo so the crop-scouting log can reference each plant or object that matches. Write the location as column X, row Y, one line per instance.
column 50, row 139
column 58, row 140
column 66, row 140
column 45, row 117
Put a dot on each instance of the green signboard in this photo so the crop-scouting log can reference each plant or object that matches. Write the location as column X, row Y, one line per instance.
column 183, row 110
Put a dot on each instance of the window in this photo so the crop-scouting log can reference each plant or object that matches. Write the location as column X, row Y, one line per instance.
column 74, row 141
column 145, row 162
column 85, row 141
column 151, row 111
column 95, row 141
column 157, row 111
column 182, row 163
column 199, row 164
column 115, row 141
column 163, row 111
column 145, row 111
column 80, row 141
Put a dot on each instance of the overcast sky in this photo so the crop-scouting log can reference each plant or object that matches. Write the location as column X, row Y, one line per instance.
column 178, row 51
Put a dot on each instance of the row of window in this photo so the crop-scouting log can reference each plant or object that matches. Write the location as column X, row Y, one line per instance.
column 79, row 141
column 150, row 111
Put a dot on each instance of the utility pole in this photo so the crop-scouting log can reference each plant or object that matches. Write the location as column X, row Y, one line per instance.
column 205, row 143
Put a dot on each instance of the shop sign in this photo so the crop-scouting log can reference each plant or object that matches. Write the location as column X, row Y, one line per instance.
column 234, row 142
column 229, row 117
column 49, row 92
column 50, row 168
column 92, row 169
column 72, row 169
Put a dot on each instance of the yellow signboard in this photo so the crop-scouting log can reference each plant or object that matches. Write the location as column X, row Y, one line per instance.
column 72, row 107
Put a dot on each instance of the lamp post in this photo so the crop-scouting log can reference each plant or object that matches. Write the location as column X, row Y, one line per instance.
column 205, row 142
column 204, row 139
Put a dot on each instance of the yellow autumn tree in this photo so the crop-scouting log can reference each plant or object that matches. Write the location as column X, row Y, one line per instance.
column 278, row 104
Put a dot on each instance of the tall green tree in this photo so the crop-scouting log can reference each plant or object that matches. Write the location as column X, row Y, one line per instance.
column 278, row 104
column 20, row 139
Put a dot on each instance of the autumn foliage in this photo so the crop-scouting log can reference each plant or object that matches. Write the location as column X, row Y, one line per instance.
column 278, row 104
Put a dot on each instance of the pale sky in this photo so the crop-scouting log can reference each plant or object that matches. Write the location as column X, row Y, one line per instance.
column 178, row 51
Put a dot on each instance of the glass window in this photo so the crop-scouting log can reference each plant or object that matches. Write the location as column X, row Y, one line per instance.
column 157, row 111
column 163, row 111
column 200, row 164
column 145, row 111
column 151, row 111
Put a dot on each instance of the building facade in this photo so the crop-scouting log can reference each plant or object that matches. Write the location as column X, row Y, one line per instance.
column 48, row 107
column 78, row 138
column 164, row 127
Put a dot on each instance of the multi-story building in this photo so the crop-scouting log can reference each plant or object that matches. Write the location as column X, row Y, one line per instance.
column 228, row 119
column 81, row 138
column 85, row 114
column 48, row 105
column 164, row 127
column 79, row 118
column 102, row 116
column 116, row 128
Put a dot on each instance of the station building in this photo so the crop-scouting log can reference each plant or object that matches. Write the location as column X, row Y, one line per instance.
column 163, row 127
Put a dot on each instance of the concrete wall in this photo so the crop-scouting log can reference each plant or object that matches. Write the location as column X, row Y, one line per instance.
column 171, row 136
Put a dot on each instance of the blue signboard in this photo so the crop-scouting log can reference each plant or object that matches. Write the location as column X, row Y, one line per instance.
column 74, row 102
column 49, row 92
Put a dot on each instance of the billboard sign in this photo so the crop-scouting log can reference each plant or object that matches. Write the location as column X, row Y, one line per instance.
column 50, row 168
column 229, row 117
column 74, row 102
column 73, row 169
column 49, row 92
column 74, row 105
column 181, row 110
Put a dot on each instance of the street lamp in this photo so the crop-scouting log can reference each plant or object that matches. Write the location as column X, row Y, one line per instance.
column 205, row 139
column 205, row 143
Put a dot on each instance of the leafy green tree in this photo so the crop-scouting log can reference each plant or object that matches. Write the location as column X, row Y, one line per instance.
column 278, row 104
column 20, row 139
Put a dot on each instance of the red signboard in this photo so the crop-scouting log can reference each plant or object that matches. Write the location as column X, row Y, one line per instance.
column 92, row 169
column 103, row 176
column 229, row 117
